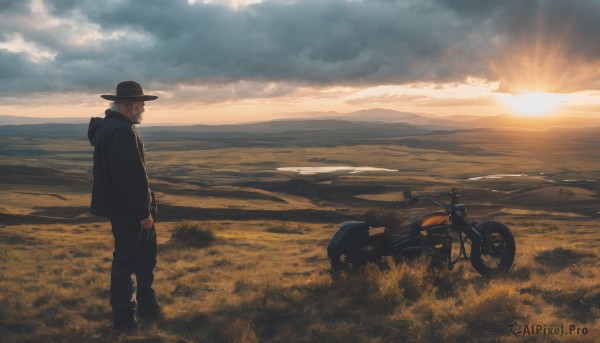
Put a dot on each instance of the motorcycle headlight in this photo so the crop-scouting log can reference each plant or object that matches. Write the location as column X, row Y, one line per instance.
column 460, row 210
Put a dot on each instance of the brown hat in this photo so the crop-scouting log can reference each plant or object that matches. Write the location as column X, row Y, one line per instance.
column 129, row 91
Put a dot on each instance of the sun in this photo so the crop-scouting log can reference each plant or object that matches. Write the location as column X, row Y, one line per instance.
column 533, row 104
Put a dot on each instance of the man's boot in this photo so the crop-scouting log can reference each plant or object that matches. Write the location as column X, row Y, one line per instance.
column 124, row 317
column 148, row 309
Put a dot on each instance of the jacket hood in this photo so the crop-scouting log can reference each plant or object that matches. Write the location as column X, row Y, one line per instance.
column 93, row 135
column 97, row 123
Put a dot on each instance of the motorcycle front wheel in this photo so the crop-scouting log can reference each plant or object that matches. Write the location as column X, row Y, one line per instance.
column 494, row 254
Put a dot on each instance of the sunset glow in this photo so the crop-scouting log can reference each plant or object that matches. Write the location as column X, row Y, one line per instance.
column 533, row 103
column 231, row 61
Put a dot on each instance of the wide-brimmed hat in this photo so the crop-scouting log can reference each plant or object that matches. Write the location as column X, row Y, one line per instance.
column 129, row 91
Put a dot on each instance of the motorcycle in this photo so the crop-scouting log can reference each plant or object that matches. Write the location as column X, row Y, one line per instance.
column 431, row 234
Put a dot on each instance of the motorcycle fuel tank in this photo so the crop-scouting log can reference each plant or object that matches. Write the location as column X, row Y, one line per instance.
column 432, row 218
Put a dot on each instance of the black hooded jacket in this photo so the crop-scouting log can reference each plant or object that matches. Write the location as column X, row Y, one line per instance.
column 120, row 180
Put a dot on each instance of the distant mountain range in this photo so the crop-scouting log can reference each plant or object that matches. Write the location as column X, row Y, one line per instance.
column 371, row 115
column 512, row 121
column 305, row 133
column 386, row 122
column 389, row 116
column 460, row 121
column 272, row 130
column 15, row 120
column 385, row 129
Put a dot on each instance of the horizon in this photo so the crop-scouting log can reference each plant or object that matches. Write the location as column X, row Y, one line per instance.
column 317, row 116
column 239, row 61
column 417, row 121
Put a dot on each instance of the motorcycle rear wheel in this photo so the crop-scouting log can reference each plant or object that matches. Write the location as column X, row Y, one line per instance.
column 356, row 253
column 496, row 253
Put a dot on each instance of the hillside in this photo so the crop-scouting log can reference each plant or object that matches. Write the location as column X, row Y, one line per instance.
column 384, row 122
column 274, row 133
column 265, row 275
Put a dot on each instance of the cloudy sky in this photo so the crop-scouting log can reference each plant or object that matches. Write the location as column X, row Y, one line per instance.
column 218, row 61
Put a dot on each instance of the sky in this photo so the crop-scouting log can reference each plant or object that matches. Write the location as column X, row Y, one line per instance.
column 227, row 61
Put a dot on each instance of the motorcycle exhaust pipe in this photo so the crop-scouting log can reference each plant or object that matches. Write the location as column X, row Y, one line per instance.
column 412, row 253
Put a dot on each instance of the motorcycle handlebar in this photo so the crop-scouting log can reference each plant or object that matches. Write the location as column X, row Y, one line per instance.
column 432, row 198
column 409, row 202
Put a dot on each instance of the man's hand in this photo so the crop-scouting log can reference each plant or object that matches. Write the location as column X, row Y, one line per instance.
column 147, row 223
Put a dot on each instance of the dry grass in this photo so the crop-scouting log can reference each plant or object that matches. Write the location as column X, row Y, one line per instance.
column 268, row 280
column 287, row 228
column 239, row 331
column 253, row 286
column 562, row 257
column 192, row 234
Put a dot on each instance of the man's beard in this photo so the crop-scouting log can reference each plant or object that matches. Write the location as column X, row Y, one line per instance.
column 138, row 115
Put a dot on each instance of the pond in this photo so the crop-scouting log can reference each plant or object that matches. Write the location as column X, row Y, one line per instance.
column 495, row 176
column 332, row 169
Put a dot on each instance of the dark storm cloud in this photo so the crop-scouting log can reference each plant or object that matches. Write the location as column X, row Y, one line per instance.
column 540, row 42
column 12, row 6
column 309, row 42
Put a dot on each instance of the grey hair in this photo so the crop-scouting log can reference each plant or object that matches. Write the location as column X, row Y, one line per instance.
column 118, row 106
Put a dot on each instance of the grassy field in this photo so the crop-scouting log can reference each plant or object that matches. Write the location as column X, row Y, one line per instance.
column 265, row 277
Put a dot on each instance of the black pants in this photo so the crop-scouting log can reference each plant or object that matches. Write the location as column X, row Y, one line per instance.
column 135, row 254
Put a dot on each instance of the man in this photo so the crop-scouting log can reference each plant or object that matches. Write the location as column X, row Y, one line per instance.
column 121, row 192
